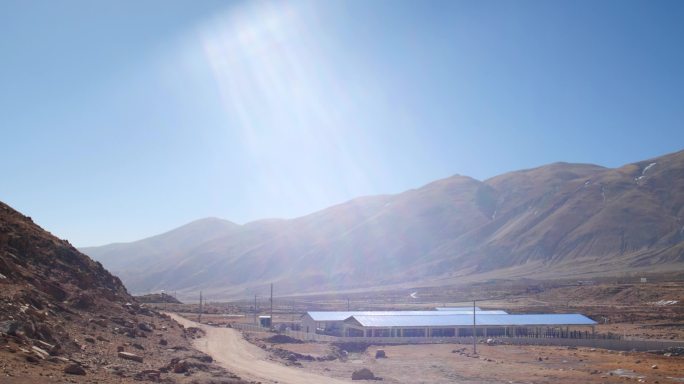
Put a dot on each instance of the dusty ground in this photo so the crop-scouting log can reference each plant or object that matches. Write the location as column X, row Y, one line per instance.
column 230, row 349
column 631, row 310
column 453, row 363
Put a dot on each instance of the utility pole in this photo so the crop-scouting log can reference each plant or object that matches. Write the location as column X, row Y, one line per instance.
column 474, row 332
column 271, row 305
column 199, row 318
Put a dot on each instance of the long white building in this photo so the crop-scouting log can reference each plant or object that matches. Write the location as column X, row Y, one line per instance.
column 440, row 323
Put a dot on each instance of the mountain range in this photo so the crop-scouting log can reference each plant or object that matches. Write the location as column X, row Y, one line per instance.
column 557, row 220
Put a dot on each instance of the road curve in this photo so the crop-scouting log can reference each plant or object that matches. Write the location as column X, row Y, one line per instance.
column 246, row 360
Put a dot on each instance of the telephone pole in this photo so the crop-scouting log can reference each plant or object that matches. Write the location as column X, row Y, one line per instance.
column 199, row 318
column 474, row 332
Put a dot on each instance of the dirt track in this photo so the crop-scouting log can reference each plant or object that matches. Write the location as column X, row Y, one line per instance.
column 248, row 361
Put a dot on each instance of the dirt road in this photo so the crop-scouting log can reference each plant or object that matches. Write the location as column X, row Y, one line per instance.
column 248, row 361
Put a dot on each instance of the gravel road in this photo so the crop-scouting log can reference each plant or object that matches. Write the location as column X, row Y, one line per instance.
column 250, row 362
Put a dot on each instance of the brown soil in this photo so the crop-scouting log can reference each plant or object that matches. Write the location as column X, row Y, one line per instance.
column 453, row 363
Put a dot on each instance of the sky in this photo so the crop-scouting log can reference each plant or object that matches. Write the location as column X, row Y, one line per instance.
column 124, row 119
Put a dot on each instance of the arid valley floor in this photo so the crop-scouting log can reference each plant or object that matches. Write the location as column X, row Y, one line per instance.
column 629, row 310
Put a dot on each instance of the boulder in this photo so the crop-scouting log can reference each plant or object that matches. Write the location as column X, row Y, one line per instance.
column 363, row 374
column 148, row 375
column 40, row 352
column 10, row 327
column 74, row 369
column 380, row 354
column 145, row 327
column 130, row 356
column 100, row 322
column 203, row 358
column 180, row 366
column 83, row 301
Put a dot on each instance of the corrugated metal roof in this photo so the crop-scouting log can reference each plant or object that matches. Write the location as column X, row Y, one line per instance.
column 342, row 315
column 458, row 308
column 467, row 320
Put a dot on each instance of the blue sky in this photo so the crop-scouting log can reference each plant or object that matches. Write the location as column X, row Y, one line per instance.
column 124, row 119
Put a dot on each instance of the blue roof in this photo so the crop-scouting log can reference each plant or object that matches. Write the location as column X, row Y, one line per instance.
column 466, row 320
column 342, row 315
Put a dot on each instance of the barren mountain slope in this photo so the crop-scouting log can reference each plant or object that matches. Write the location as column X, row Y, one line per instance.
column 595, row 221
column 560, row 219
column 63, row 317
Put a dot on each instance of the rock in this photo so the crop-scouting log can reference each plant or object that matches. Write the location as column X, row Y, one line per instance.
column 10, row 327
column 100, row 322
column 203, row 358
column 83, row 301
column 149, row 375
column 120, row 348
column 32, row 359
column 56, row 349
column 654, row 366
column 130, row 356
column 138, row 346
column 145, row 327
column 380, row 354
column 89, row 340
column 291, row 357
column 281, row 339
column 363, row 374
column 57, row 359
column 116, row 370
column 178, row 366
column 163, row 342
column 74, row 369
column 40, row 352
column 102, row 339
column 54, row 290
column 43, row 345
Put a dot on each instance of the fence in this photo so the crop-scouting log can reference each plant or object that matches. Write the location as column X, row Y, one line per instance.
column 306, row 336
column 612, row 344
column 249, row 327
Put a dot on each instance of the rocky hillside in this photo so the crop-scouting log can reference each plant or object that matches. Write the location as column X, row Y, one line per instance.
column 556, row 220
column 63, row 317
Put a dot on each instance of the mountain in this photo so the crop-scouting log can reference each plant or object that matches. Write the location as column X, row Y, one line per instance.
column 558, row 220
column 62, row 315
column 169, row 247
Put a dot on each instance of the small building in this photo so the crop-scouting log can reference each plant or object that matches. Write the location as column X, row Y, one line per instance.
column 461, row 325
column 265, row 321
column 331, row 322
